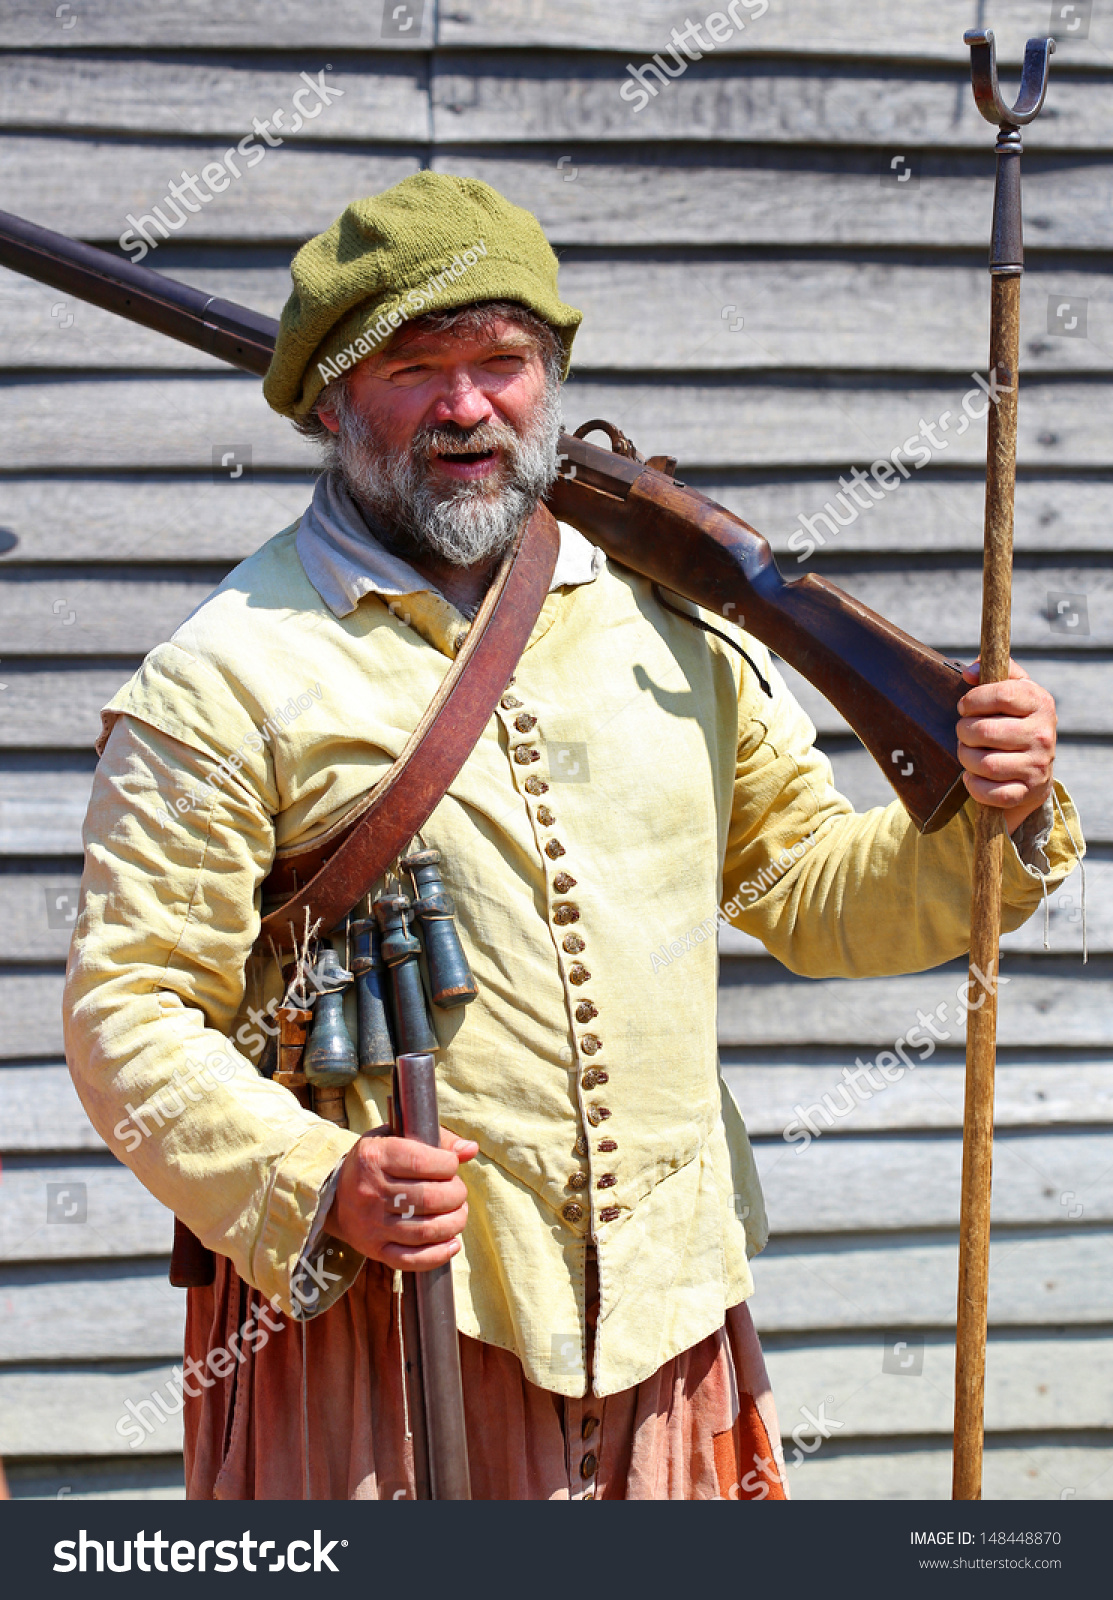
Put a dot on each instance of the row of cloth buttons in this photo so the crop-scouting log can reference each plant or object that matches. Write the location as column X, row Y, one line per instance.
column 565, row 915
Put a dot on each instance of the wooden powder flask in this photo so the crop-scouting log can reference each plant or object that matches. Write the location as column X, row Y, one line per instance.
column 450, row 979
column 330, row 1063
column 414, row 1032
column 375, row 1045
column 1006, row 265
column 293, row 1030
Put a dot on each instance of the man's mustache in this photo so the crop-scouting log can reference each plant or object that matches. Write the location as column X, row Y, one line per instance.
column 451, row 439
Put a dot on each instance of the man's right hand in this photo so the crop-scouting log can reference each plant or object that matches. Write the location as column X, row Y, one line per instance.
column 401, row 1202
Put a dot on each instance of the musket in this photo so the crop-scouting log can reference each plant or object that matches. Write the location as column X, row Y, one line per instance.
column 1006, row 264
column 899, row 696
column 435, row 1390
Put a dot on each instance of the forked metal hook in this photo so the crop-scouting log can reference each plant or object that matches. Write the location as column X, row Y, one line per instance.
column 987, row 92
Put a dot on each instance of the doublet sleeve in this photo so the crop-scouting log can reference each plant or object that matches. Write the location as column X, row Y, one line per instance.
column 176, row 846
column 836, row 893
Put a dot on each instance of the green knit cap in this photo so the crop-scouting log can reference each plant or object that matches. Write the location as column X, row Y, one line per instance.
column 432, row 243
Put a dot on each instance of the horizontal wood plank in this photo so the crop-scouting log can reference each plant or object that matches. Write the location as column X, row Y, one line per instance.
column 938, row 512
column 808, row 27
column 295, row 191
column 1027, row 1095
column 817, row 313
column 1031, row 1383
column 759, row 1006
column 57, row 706
column 149, row 1478
column 128, row 612
column 788, row 26
column 1042, row 1468
column 1085, row 769
column 78, row 1207
column 139, row 518
column 37, row 915
column 493, row 98
column 42, row 327
column 779, row 195
column 116, row 1311
column 762, row 422
column 744, row 195
column 181, row 422
column 73, row 1412
column 235, row 24
column 42, row 807
column 40, row 1111
column 378, row 98
column 905, row 596
column 706, row 315
column 113, row 1310
column 177, row 423
column 1051, row 1276
column 842, row 1185
column 33, row 1032
column 1077, row 684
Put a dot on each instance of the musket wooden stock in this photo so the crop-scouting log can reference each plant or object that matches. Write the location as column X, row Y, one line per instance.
column 899, row 696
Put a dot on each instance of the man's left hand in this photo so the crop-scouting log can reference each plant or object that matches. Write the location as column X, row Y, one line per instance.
column 1006, row 742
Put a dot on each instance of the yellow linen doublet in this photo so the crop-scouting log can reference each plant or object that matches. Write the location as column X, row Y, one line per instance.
column 634, row 778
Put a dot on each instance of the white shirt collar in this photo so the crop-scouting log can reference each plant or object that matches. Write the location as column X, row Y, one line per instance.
column 344, row 561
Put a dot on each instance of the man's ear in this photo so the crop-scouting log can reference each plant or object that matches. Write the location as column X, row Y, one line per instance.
column 330, row 420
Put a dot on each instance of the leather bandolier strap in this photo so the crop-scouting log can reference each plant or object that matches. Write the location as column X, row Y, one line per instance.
column 330, row 878
column 334, row 874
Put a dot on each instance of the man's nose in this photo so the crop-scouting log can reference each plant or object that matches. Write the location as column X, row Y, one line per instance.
column 463, row 403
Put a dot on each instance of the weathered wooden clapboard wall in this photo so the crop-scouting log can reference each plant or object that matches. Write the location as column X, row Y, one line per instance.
column 759, row 302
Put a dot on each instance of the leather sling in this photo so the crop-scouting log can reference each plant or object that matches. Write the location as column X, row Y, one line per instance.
column 349, row 860
column 337, row 870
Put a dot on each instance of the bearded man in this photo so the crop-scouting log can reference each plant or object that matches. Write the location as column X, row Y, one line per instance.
column 594, row 1191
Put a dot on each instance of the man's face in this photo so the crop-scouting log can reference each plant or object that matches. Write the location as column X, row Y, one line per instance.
column 449, row 439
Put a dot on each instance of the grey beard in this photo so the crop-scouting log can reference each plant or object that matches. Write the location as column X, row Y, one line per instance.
column 470, row 522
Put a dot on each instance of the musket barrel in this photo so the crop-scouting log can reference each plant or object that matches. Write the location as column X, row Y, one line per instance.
column 230, row 332
column 416, row 1096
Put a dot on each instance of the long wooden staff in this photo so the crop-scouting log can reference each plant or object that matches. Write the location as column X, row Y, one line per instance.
column 1006, row 265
